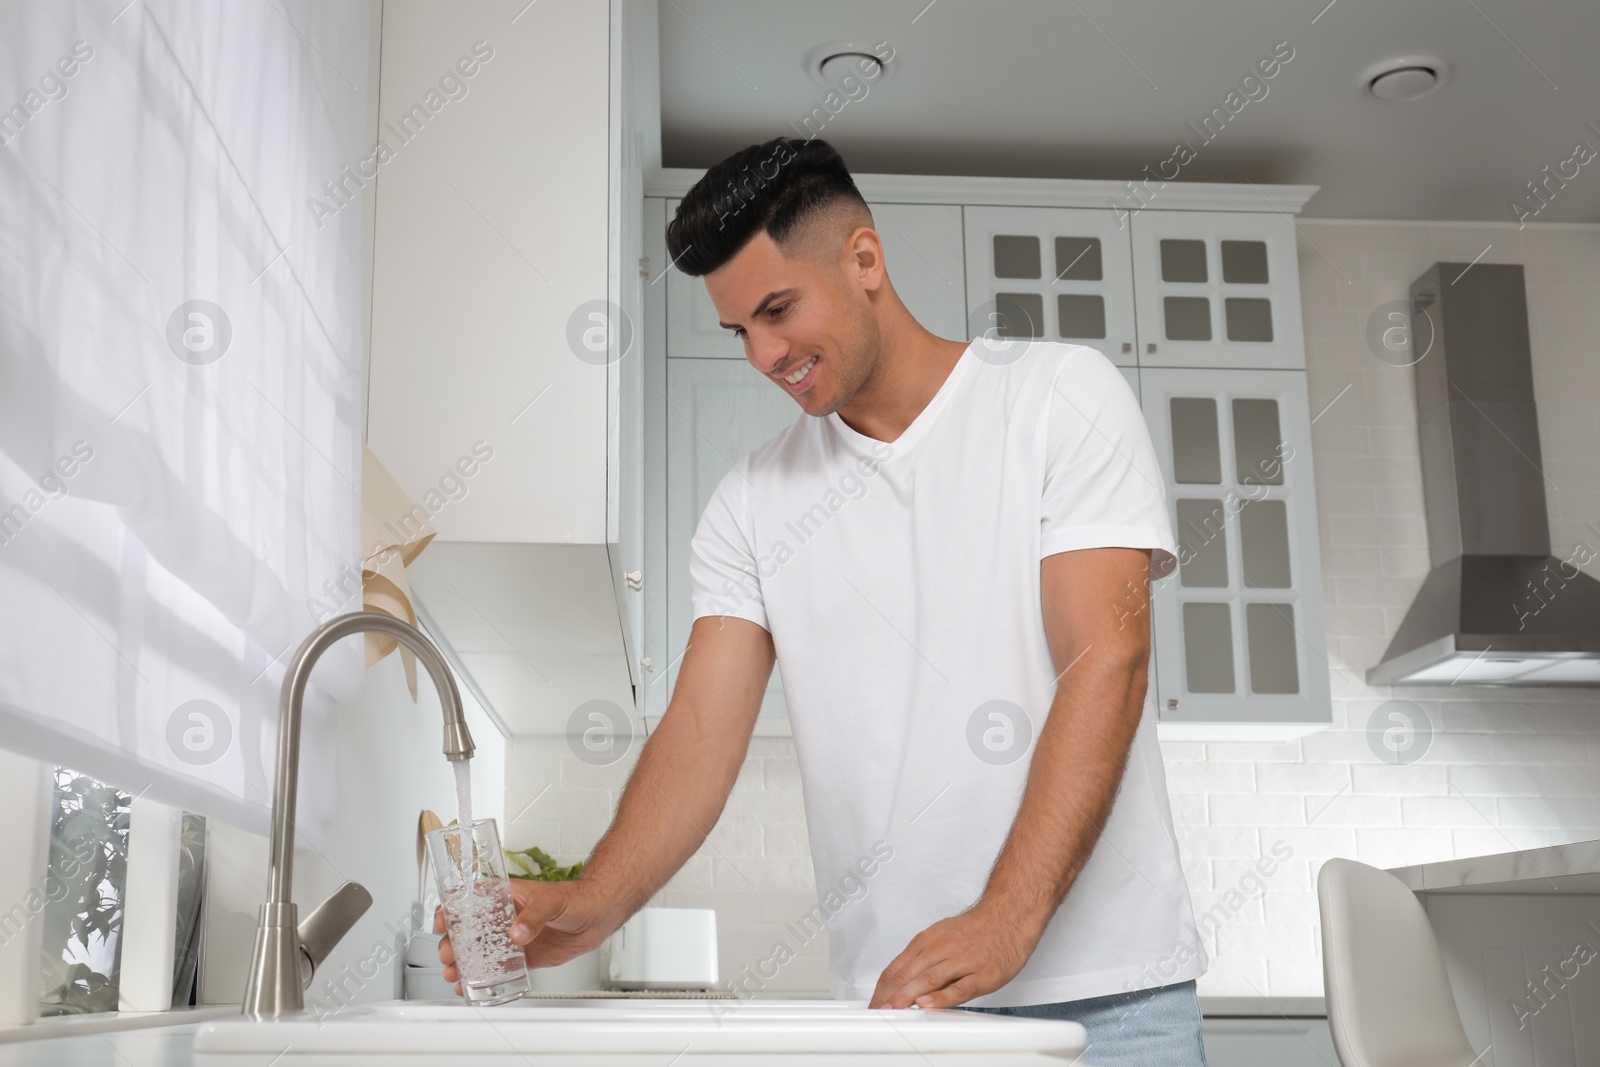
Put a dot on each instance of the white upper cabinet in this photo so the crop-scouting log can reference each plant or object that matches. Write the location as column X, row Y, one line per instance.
column 1217, row 289
column 1238, row 626
column 718, row 410
column 1053, row 274
column 921, row 248
column 922, row 251
column 479, row 286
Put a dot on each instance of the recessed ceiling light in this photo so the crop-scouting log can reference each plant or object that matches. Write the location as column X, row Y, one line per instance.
column 1405, row 78
column 831, row 61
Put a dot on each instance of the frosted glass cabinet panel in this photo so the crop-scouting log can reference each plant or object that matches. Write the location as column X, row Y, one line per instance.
column 921, row 249
column 1238, row 628
column 1054, row 274
column 1217, row 289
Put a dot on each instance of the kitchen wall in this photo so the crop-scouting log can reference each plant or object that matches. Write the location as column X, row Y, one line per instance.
column 1504, row 768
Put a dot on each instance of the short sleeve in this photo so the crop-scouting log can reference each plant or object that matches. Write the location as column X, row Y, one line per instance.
column 1102, row 485
column 723, row 575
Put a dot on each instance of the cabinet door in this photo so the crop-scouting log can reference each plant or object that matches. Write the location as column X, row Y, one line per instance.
column 1055, row 274
column 1217, row 289
column 717, row 410
column 921, row 250
column 1238, row 625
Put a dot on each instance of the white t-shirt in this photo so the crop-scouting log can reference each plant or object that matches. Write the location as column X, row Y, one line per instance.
column 900, row 583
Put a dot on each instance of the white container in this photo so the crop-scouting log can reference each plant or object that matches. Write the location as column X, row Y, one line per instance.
column 424, row 972
column 666, row 948
column 581, row 974
column 427, row 983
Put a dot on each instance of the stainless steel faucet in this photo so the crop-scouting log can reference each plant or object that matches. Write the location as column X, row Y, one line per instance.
column 286, row 952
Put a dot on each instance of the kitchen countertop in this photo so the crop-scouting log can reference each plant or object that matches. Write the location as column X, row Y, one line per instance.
column 156, row 1044
column 159, row 1038
column 1566, row 869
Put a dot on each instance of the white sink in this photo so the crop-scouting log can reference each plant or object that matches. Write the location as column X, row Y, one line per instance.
column 727, row 1033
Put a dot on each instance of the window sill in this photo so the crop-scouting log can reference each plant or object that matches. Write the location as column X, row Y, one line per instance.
column 112, row 1021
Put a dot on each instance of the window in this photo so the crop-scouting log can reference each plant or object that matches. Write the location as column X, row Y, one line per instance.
column 81, row 951
column 82, row 946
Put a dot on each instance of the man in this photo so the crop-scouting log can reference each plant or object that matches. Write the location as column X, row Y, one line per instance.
column 948, row 557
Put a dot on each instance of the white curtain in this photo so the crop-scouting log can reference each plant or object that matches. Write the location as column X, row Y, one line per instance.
column 181, row 346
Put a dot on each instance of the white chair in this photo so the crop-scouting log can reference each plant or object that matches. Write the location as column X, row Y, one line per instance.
column 1389, row 1001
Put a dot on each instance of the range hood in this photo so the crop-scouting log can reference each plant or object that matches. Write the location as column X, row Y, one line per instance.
column 1497, row 608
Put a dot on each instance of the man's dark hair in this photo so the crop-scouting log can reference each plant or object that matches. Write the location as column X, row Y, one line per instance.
column 777, row 187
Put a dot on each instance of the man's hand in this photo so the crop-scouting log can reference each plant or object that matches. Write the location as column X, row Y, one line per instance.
column 956, row 959
column 556, row 922
column 1073, row 776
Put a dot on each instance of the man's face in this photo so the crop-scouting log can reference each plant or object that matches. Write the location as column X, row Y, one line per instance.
column 797, row 316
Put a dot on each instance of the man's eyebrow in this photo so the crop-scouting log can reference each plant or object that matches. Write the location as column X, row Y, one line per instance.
column 769, row 298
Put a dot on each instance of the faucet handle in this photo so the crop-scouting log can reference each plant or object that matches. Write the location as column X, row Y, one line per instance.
column 327, row 924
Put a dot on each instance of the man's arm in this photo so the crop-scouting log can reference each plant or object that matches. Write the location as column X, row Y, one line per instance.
column 1096, row 619
column 672, row 799
column 678, row 789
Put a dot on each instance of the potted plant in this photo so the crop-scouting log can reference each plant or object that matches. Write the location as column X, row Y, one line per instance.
column 581, row 974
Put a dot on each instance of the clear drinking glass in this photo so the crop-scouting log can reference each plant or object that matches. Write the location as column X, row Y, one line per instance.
column 469, row 870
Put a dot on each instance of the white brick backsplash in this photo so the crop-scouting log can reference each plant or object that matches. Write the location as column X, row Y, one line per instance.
column 1229, row 976
column 1400, row 848
column 695, row 875
column 1453, row 813
column 1506, row 769
column 1302, row 778
column 1340, row 560
column 1253, row 877
column 578, row 774
column 759, row 872
column 1244, row 752
column 1410, row 779
column 1337, row 746
column 766, row 806
column 1543, row 749
column 1291, row 909
column 578, row 838
column 1489, row 840
column 1347, row 809
column 1295, row 978
column 781, row 773
column 586, row 803
column 1251, row 809
column 735, row 839
column 1182, row 752
column 1267, row 942
column 1545, row 813
column 1524, row 781
column 1473, row 748
column 1197, row 873
column 1210, row 777
column 1318, row 841
column 1188, row 809
column 785, row 839
column 1218, row 843
column 1220, row 908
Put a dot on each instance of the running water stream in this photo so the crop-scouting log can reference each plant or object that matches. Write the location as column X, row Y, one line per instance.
column 463, row 769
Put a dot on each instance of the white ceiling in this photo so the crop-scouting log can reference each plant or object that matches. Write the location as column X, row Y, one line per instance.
column 1101, row 88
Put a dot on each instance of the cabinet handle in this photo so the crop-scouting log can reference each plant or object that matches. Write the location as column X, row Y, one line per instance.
column 648, row 664
column 1127, row 346
column 1172, row 703
column 635, row 580
column 1150, row 347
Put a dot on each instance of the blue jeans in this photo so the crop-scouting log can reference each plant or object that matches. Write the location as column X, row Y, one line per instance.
column 1157, row 1027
